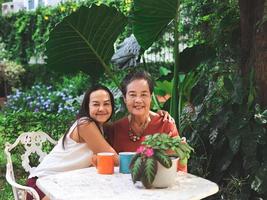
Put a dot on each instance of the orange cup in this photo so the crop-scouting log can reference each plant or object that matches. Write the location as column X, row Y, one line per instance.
column 105, row 163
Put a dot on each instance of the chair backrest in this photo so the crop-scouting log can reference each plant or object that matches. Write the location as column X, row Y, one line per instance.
column 33, row 143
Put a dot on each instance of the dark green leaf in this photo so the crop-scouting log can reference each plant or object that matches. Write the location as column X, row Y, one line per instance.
column 191, row 57
column 249, row 143
column 224, row 161
column 84, row 40
column 228, row 85
column 234, row 143
column 163, row 159
column 260, row 134
column 238, row 93
column 150, row 18
column 134, row 159
column 259, row 183
column 149, row 173
column 137, row 169
column 264, row 113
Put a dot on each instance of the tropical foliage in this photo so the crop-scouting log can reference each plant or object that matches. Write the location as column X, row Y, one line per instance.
column 91, row 53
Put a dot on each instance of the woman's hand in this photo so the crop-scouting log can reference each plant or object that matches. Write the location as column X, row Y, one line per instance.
column 166, row 116
column 93, row 160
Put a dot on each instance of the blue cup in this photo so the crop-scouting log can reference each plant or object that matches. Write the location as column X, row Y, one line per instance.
column 125, row 160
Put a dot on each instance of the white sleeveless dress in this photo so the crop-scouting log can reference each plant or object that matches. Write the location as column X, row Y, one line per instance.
column 73, row 156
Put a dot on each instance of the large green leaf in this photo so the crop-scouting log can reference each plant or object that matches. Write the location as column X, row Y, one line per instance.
column 150, row 17
column 191, row 57
column 149, row 173
column 259, row 184
column 163, row 87
column 84, row 40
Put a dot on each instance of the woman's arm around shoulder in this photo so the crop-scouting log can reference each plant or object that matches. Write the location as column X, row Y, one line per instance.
column 169, row 126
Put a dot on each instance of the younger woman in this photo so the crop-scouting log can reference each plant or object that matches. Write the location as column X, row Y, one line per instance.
column 84, row 138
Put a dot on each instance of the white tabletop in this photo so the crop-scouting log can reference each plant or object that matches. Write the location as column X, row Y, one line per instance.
column 86, row 184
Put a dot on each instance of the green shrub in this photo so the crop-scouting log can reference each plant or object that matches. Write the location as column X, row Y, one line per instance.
column 14, row 123
column 25, row 33
column 10, row 74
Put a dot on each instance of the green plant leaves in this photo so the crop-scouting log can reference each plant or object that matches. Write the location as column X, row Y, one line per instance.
column 259, row 184
column 191, row 57
column 136, row 169
column 149, row 173
column 84, row 40
column 164, row 71
column 150, row 17
column 163, row 159
column 234, row 143
column 134, row 159
column 162, row 142
column 163, row 87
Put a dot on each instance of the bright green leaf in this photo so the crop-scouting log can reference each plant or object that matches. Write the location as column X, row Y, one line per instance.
column 164, row 71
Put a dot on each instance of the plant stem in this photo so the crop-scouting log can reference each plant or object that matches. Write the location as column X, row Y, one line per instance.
column 174, row 99
column 155, row 101
column 179, row 110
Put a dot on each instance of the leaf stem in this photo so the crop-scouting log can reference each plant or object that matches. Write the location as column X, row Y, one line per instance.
column 174, row 99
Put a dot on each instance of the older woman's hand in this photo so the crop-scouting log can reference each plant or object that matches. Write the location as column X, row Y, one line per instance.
column 166, row 116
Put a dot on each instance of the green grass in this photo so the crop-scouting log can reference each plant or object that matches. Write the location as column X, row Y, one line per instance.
column 21, row 176
column 5, row 189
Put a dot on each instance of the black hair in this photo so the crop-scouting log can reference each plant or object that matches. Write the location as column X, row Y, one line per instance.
column 85, row 110
column 138, row 75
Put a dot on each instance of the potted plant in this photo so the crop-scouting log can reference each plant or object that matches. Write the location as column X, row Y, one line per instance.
column 158, row 151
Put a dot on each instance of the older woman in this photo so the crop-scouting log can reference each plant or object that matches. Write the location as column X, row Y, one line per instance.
column 127, row 133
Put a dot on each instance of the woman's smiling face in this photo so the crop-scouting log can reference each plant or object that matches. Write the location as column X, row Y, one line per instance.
column 138, row 97
column 100, row 107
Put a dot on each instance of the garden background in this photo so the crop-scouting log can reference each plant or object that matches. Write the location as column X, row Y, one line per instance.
column 215, row 85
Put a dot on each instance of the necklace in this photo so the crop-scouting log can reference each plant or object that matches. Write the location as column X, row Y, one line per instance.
column 133, row 136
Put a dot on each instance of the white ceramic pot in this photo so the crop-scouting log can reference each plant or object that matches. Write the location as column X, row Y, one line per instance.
column 165, row 177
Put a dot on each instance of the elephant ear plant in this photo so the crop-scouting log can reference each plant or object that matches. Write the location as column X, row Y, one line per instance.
column 157, row 148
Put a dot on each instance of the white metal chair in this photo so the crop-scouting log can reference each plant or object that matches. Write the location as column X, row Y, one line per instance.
column 33, row 143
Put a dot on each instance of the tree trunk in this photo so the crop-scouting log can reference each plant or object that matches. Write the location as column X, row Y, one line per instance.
column 253, row 20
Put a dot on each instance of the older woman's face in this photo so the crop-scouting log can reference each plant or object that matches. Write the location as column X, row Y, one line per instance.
column 138, row 97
